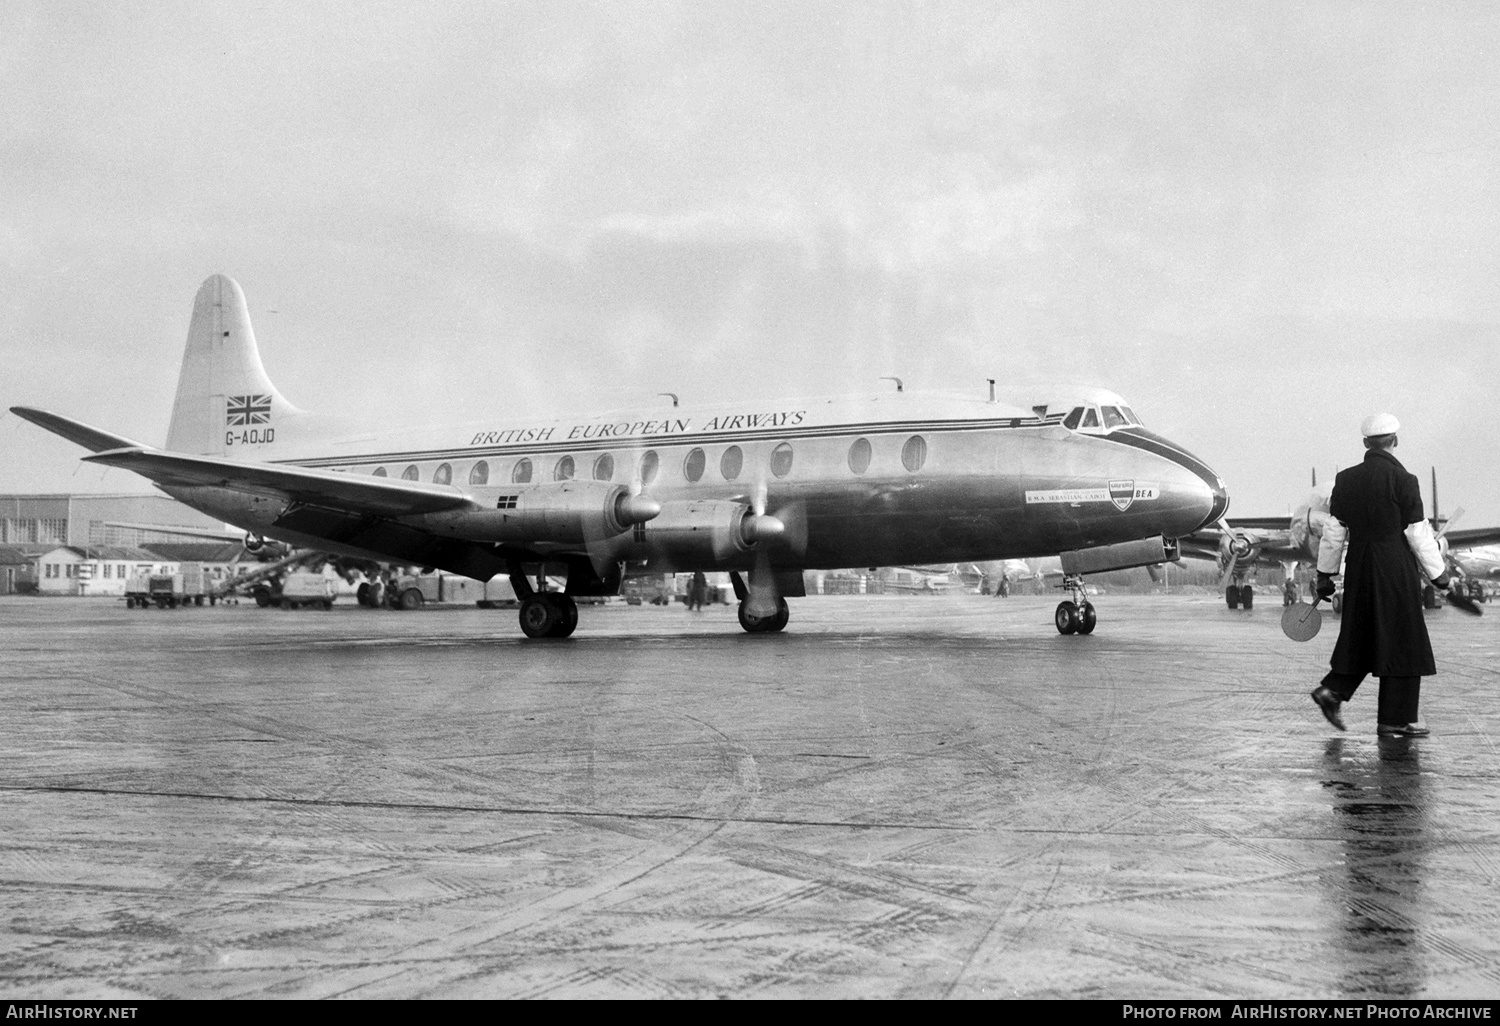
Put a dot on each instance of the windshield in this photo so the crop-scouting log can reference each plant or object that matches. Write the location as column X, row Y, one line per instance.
column 1113, row 418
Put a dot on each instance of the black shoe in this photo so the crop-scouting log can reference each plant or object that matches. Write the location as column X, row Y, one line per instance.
column 1329, row 703
column 1402, row 730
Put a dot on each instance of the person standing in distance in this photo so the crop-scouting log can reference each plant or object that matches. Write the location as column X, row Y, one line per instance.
column 1376, row 510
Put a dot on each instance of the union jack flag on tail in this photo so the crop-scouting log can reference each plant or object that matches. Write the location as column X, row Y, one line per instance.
column 248, row 409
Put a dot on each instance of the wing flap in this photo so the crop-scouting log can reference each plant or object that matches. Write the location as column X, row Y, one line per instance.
column 375, row 496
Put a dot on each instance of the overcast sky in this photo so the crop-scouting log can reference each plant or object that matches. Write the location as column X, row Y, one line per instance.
column 1259, row 222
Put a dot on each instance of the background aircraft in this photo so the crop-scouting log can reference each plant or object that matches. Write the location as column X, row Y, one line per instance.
column 1243, row 545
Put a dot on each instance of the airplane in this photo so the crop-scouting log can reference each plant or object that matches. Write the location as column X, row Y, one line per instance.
column 761, row 489
column 1241, row 545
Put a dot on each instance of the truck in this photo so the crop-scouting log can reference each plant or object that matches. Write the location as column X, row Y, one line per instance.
column 295, row 590
column 413, row 591
column 191, row 585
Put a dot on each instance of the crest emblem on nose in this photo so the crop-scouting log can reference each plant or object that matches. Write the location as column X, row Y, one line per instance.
column 1122, row 494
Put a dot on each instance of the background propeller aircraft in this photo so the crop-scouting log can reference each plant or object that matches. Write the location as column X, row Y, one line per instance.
column 1241, row 546
column 763, row 492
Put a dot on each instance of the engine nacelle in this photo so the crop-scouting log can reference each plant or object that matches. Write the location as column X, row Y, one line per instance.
column 567, row 512
column 700, row 533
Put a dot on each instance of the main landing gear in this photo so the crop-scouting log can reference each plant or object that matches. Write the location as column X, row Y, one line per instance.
column 764, row 624
column 548, row 614
column 1237, row 595
column 1289, row 592
column 1075, row 615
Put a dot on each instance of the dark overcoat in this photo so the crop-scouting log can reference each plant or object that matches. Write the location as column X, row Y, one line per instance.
column 1383, row 631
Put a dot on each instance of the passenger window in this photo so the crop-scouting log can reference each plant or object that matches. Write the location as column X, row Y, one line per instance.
column 521, row 473
column 859, row 455
column 480, row 473
column 410, row 473
column 443, row 474
column 731, row 462
column 564, row 470
column 1113, row 418
column 650, row 464
column 914, row 453
column 692, row 467
column 1072, row 420
column 379, row 472
column 604, row 468
column 781, row 460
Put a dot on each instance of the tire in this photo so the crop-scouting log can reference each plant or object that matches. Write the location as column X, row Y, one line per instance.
column 1247, row 597
column 567, row 616
column 129, row 602
column 1337, row 602
column 1289, row 594
column 328, row 603
column 1232, row 597
column 783, row 615
column 197, row 600
column 538, row 616
column 1065, row 616
column 287, row 603
column 1429, row 597
column 262, row 597
column 753, row 624
column 410, row 599
column 362, row 594
column 1087, row 618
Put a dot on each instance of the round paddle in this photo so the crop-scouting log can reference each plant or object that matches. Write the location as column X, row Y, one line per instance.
column 1301, row 622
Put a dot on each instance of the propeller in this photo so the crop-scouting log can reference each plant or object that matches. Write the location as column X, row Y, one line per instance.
column 1237, row 546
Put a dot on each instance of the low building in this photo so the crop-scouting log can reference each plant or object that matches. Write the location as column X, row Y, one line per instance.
column 17, row 571
column 94, row 570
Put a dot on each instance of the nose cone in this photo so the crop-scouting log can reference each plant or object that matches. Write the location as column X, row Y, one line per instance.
column 1194, row 491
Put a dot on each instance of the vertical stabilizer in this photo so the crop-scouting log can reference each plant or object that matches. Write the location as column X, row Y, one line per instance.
column 226, row 406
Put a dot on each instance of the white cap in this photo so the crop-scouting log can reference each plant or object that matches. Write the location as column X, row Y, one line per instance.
column 1379, row 424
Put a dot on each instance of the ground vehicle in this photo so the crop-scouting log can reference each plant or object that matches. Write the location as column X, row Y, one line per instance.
column 413, row 591
column 190, row 585
column 296, row 589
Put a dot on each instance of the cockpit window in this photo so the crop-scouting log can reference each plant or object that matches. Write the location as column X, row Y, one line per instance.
column 1113, row 418
column 1072, row 419
column 1130, row 416
column 1090, row 418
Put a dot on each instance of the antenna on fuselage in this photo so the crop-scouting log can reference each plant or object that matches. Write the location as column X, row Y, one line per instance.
column 992, row 388
column 671, row 395
column 899, row 386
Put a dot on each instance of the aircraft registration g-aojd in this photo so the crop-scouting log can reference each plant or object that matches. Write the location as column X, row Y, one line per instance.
column 762, row 490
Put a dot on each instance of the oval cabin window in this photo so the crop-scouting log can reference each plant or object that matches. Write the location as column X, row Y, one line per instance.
column 379, row 472
column 443, row 474
column 692, row 467
column 480, row 473
column 781, row 460
column 731, row 462
column 521, row 472
column 564, row 470
column 604, row 468
column 914, row 453
column 650, row 464
column 859, row 455
column 410, row 473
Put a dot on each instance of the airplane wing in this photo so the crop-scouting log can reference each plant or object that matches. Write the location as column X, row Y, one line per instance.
column 1473, row 538
column 351, row 493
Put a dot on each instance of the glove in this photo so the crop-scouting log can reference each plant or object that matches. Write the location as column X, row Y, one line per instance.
column 1442, row 580
column 1326, row 587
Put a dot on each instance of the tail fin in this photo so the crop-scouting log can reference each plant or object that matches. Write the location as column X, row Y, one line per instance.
column 225, row 403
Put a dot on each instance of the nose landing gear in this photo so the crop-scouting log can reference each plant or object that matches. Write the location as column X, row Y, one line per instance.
column 1075, row 615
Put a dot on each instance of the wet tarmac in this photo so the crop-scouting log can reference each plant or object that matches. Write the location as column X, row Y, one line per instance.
column 917, row 797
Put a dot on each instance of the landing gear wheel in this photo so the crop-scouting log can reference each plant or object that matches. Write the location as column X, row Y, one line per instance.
column 1066, row 618
column 362, row 594
column 1087, row 618
column 765, row 624
column 1247, row 596
column 410, row 599
column 1337, row 602
column 1232, row 597
column 539, row 615
column 1289, row 594
column 262, row 597
column 567, row 616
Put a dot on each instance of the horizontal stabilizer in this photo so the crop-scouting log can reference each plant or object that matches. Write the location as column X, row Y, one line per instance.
column 91, row 438
column 376, row 496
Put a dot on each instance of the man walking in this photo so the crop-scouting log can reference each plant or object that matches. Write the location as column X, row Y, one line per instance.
column 1376, row 509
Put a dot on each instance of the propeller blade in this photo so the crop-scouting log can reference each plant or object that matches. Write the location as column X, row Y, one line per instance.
column 1451, row 521
column 793, row 517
